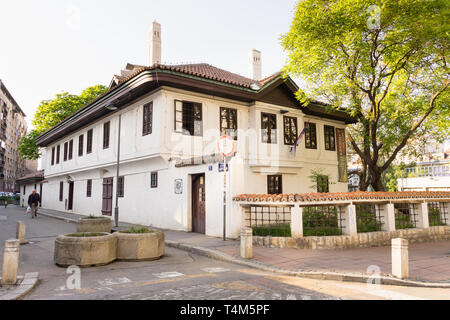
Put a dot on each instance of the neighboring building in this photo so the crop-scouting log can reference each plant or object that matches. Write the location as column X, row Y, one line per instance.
column 427, row 176
column 12, row 127
column 27, row 183
column 171, row 119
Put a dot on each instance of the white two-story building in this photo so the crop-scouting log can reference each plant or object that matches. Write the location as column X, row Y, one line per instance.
column 171, row 117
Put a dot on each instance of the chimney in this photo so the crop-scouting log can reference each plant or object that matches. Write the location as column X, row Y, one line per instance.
column 255, row 64
column 155, row 43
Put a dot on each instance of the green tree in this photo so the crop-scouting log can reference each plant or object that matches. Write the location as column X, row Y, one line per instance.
column 385, row 63
column 52, row 112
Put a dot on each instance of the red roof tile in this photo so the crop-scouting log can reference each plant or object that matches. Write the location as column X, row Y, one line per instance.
column 340, row 196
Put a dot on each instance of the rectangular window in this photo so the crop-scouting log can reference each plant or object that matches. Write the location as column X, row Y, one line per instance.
column 269, row 128
column 58, row 152
column 310, row 136
column 323, row 185
column 53, row 155
column 120, row 189
column 329, row 138
column 290, row 130
column 89, row 188
column 89, row 141
column 66, row 145
column 147, row 119
column 80, row 145
column 70, row 149
column 154, row 180
column 188, row 118
column 61, row 186
column 228, row 122
column 106, row 135
column 274, row 184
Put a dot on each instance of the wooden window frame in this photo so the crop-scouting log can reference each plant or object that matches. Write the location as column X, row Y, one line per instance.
column 58, row 153
column 80, row 145
column 66, row 147
column 289, row 136
column 89, row 141
column 106, row 134
column 70, row 157
column 89, row 188
column 330, row 137
column 267, row 138
column 270, row 189
column 231, row 128
column 319, row 184
column 147, row 119
column 154, row 178
column 53, row 156
column 121, row 187
column 180, row 120
column 61, row 191
column 310, row 135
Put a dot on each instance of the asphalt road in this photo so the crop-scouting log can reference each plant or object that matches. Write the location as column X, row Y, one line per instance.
column 177, row 275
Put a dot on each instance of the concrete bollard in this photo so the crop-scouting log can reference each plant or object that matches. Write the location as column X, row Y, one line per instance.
column 400, row 263
column 20, row 232
column 10, row 262
column 247, row 243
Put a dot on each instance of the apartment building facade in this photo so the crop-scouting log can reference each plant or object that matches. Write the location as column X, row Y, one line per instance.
column 13, row 126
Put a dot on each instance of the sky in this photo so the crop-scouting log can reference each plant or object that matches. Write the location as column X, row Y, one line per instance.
column 50, row 46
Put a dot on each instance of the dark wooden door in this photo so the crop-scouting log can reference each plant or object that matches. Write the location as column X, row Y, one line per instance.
column 198, row 203
column 107, row 196
column 40, row 194
column 70, row 201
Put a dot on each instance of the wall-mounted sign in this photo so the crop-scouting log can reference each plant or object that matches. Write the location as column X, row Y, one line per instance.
column 221, row 165
column 210, row 168
column 178, row 186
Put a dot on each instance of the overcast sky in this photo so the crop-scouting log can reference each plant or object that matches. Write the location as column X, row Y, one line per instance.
column 51, row 46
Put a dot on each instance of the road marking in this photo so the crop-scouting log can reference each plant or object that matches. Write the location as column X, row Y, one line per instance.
column 215, row 270
column 170, row 274
column 3, row 218
column 111, row 282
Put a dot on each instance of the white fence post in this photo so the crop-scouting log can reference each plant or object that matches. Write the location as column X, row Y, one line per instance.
column 422, row 215
column 400, row 268
column 247, row 243
column 349, row 216
column 387, row 214
column 297, row 221
column 10, row 262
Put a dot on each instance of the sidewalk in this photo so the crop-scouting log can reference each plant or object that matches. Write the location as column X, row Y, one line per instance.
column 429, row 262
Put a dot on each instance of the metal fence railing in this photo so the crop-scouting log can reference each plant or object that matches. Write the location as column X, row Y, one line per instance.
column 405, row 215
column 269, row 220
column 368, row 218
column 437, row 214
column 322, row 220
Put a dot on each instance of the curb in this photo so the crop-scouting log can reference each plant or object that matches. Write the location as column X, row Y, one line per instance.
column 57, row 217
column 28, row 283
column 337, row 276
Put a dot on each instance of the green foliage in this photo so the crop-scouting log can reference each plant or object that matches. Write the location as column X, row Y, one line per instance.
column 274, row 230
column 392, row 76
column 134, row 229
column 51, row 112
column 5, row 198
column 320, row 180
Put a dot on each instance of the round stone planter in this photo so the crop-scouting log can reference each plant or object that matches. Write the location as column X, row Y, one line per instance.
column 94, row 249
column 140, row 246
column 97, row 224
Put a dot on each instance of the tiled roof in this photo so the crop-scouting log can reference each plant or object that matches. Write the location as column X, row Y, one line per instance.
column 206, row 71
column 341, row 196
column 33, row 175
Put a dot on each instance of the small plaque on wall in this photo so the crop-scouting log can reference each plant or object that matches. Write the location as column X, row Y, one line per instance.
column 178, row 186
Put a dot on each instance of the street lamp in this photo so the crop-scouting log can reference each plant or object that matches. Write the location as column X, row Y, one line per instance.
column 113, row 107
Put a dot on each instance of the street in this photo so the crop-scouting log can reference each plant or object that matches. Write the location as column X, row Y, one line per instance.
column 178, row 275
